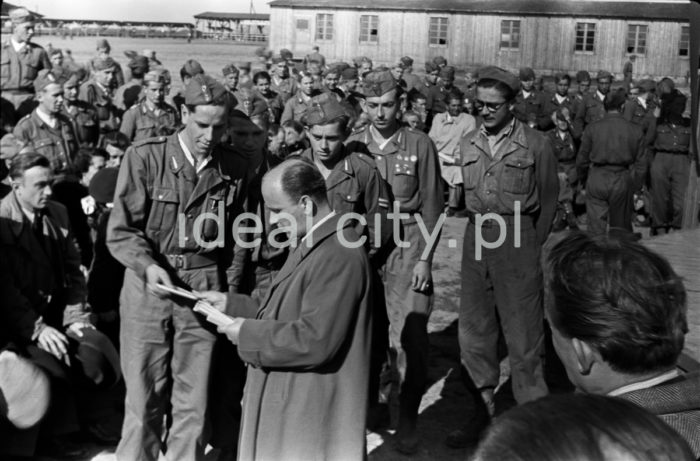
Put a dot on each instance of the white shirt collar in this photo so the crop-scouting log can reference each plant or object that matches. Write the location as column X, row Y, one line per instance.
column 379, row 139
column 46, row 118
column 642, row 101
column 560, row 98
column 600, row 95
column 318, row 224
column 17, row 45
column 526, row 94
column 651, row 382
column 190, row 158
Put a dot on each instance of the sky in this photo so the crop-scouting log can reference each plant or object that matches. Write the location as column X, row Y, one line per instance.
column 138, row 10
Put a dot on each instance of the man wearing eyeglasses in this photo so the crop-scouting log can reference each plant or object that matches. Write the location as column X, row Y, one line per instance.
column 511, row 188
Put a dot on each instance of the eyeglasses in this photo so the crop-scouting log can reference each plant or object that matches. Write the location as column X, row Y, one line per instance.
column 490, row 106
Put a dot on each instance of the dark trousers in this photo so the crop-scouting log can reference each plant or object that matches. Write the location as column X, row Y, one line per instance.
column 669, row 182
column 505, row 283
column 455, row 199
column 609, row 199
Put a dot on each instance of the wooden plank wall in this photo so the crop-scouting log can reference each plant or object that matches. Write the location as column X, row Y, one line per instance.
column 547, row 43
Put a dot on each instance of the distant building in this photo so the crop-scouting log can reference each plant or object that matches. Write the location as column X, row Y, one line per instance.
column 247, row 27
column 547, row 35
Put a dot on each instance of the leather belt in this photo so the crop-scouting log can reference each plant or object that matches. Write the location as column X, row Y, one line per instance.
column 190, row 261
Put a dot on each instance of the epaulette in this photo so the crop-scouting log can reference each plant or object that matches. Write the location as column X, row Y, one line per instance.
column 366, row 157
column 156, row 140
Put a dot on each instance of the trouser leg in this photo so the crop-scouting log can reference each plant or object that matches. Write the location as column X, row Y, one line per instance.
column 679, row 172
column 660, row 190
column 597, row 206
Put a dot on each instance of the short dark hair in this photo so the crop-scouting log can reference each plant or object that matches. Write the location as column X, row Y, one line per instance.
column 619, row 297
column 261, row 74
column 507, row 92
column 615, row 100
column 301, row 178
column 294, row 125
column 83, row 158
column 562, row 76
column 584, row 427
column 26, row 161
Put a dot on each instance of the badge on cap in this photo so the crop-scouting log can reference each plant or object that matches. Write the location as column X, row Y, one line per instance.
column 206, row 93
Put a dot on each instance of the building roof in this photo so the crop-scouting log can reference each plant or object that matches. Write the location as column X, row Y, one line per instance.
column 233, row 16
column 104, row 22
column 5, row 9
column 585, row 8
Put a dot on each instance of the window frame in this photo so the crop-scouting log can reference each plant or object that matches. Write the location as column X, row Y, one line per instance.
column 372, row 19
column 589, row 28
column 442, row 24
column 638, row 28
column 510, row 40
column 325, row 22
column 685, row 31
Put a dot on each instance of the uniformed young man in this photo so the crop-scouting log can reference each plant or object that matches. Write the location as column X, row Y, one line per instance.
column 407, row 160
column 98, row 92
column 275, row 106
column 159, row 232
column 529, row 102
column 131, row 92
column 152, row 116
column 510, row 173
column 612, row 163
column 560, row 100
column 47, row 130
column 429, row 81
column 642, row 109
column 21, row 61
column 296, row 106
column 281, row 82
column 439, row 94
column 583, row 79
column 411, row 79
column 591, row 108
column 103, row 49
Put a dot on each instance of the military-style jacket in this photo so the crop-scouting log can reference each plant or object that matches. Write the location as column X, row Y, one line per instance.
column 523, row 169
column 129, row 94
column 565, row 152
column 590, row 110
column 409, row 165
column 160, row 200
column 59, row 145
column 140, row 122
column 18, row 70
column 286, row 88
column 355, row 186
column 295, row 107
column 644, row 117
column 552, row 104
column 674, row 139
column 85, row 122
column 107, row 112
column 531, row 109
column 437, row 97
column 613, row 142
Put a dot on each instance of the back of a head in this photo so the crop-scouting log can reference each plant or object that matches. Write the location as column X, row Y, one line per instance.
column 298, row 178
column 615, row 100
column 619, row 297
column 581, row 427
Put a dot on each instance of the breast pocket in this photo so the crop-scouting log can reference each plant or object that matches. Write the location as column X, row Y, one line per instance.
column 405, row 183
column 470, row 169
column 518, row 175
column 164, row 209
column 346, row 201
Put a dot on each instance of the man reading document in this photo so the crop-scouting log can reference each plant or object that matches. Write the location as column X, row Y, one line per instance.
column 308, row 344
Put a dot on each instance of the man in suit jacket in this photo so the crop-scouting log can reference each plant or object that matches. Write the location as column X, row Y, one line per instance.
column 619, row 332
column 308, row 343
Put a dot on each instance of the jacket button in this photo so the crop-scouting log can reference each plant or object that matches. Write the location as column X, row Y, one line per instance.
column 160, row 197
column 488, row 192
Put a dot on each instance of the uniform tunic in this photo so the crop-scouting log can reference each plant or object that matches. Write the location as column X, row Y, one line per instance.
column 670, row 174
column 141, row 122
column 108, row 114
column 17, row 74
column 86, row 124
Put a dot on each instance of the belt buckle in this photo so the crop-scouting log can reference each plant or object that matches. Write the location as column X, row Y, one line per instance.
column 179, row 262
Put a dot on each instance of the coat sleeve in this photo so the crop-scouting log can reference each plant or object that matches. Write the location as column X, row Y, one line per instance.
column 17, row 315
column 128, row 126
column 548, row 190
column 641, row 161
column 126, row 238
column 431, row 192
column 76, row 285
column 329, row 304
column 377, row 204
column 583, row 159
column 288, row 112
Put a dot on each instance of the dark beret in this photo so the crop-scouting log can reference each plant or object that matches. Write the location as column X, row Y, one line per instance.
column 377, row 83
column 192, row 67
column 439, row 61
column 583, row 76
column 604, row 74
column 44, row 79
column 526, row 73
column 230, row 69
column 103, row 184
column 646, row 85
column 203, row 90
column 407, row 61
column 501, row 75
column 349, row 74
column 139, row 63
column 103, row 63
column 447, row 72
column 324, row 109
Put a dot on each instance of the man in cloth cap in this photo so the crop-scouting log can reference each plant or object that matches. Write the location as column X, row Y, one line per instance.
column 560, row 101
column 583, row 79
column 643, row 109
column 591, row 108
column 407, row 160
column 282, row 83
column 103, row 50
column 509, row 171
column 315, row 55
column 44, row 303
column 22, row 59
column 295, row 107
column 152, row 116
column 612, row 163
column 81, row 114
column 98, row 92
column 529, row 102
column 157, row 232
column 445, row 88
column 411, row 79
column 131, row 92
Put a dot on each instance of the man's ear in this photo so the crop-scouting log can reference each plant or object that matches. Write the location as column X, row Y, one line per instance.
column 586, row 356
column 185, row 114
column 363, row 105
column 308, row 205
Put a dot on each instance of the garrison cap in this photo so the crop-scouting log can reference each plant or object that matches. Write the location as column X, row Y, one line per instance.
column 350, row 73
column 103, row 184
column 45, row 78
column 203, row 90
column 340, row 66
column 279, row 60
column 192, row 67
column 331, row 70
column 526, row 73
column 439, row 61
column 583, row 76
column 431, row 67
column 74, row 79
column 646, row 85
column 9, row 147
column 377, row 83
column 562, row 113
column 55, row 51
column 131, row 54
column 103, row 43
column 501, row 75
column 286, row 54
column 103, row 63
column 243, row 65
column 407, row 61
column 139, row 63
column 230, row 69
column 21, row 16
column 157, row 75
column 603, row 74
column 324, row 109
column 95, row 350
column 447, row 72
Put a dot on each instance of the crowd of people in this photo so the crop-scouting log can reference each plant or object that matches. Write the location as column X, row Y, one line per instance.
column 247, row 263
